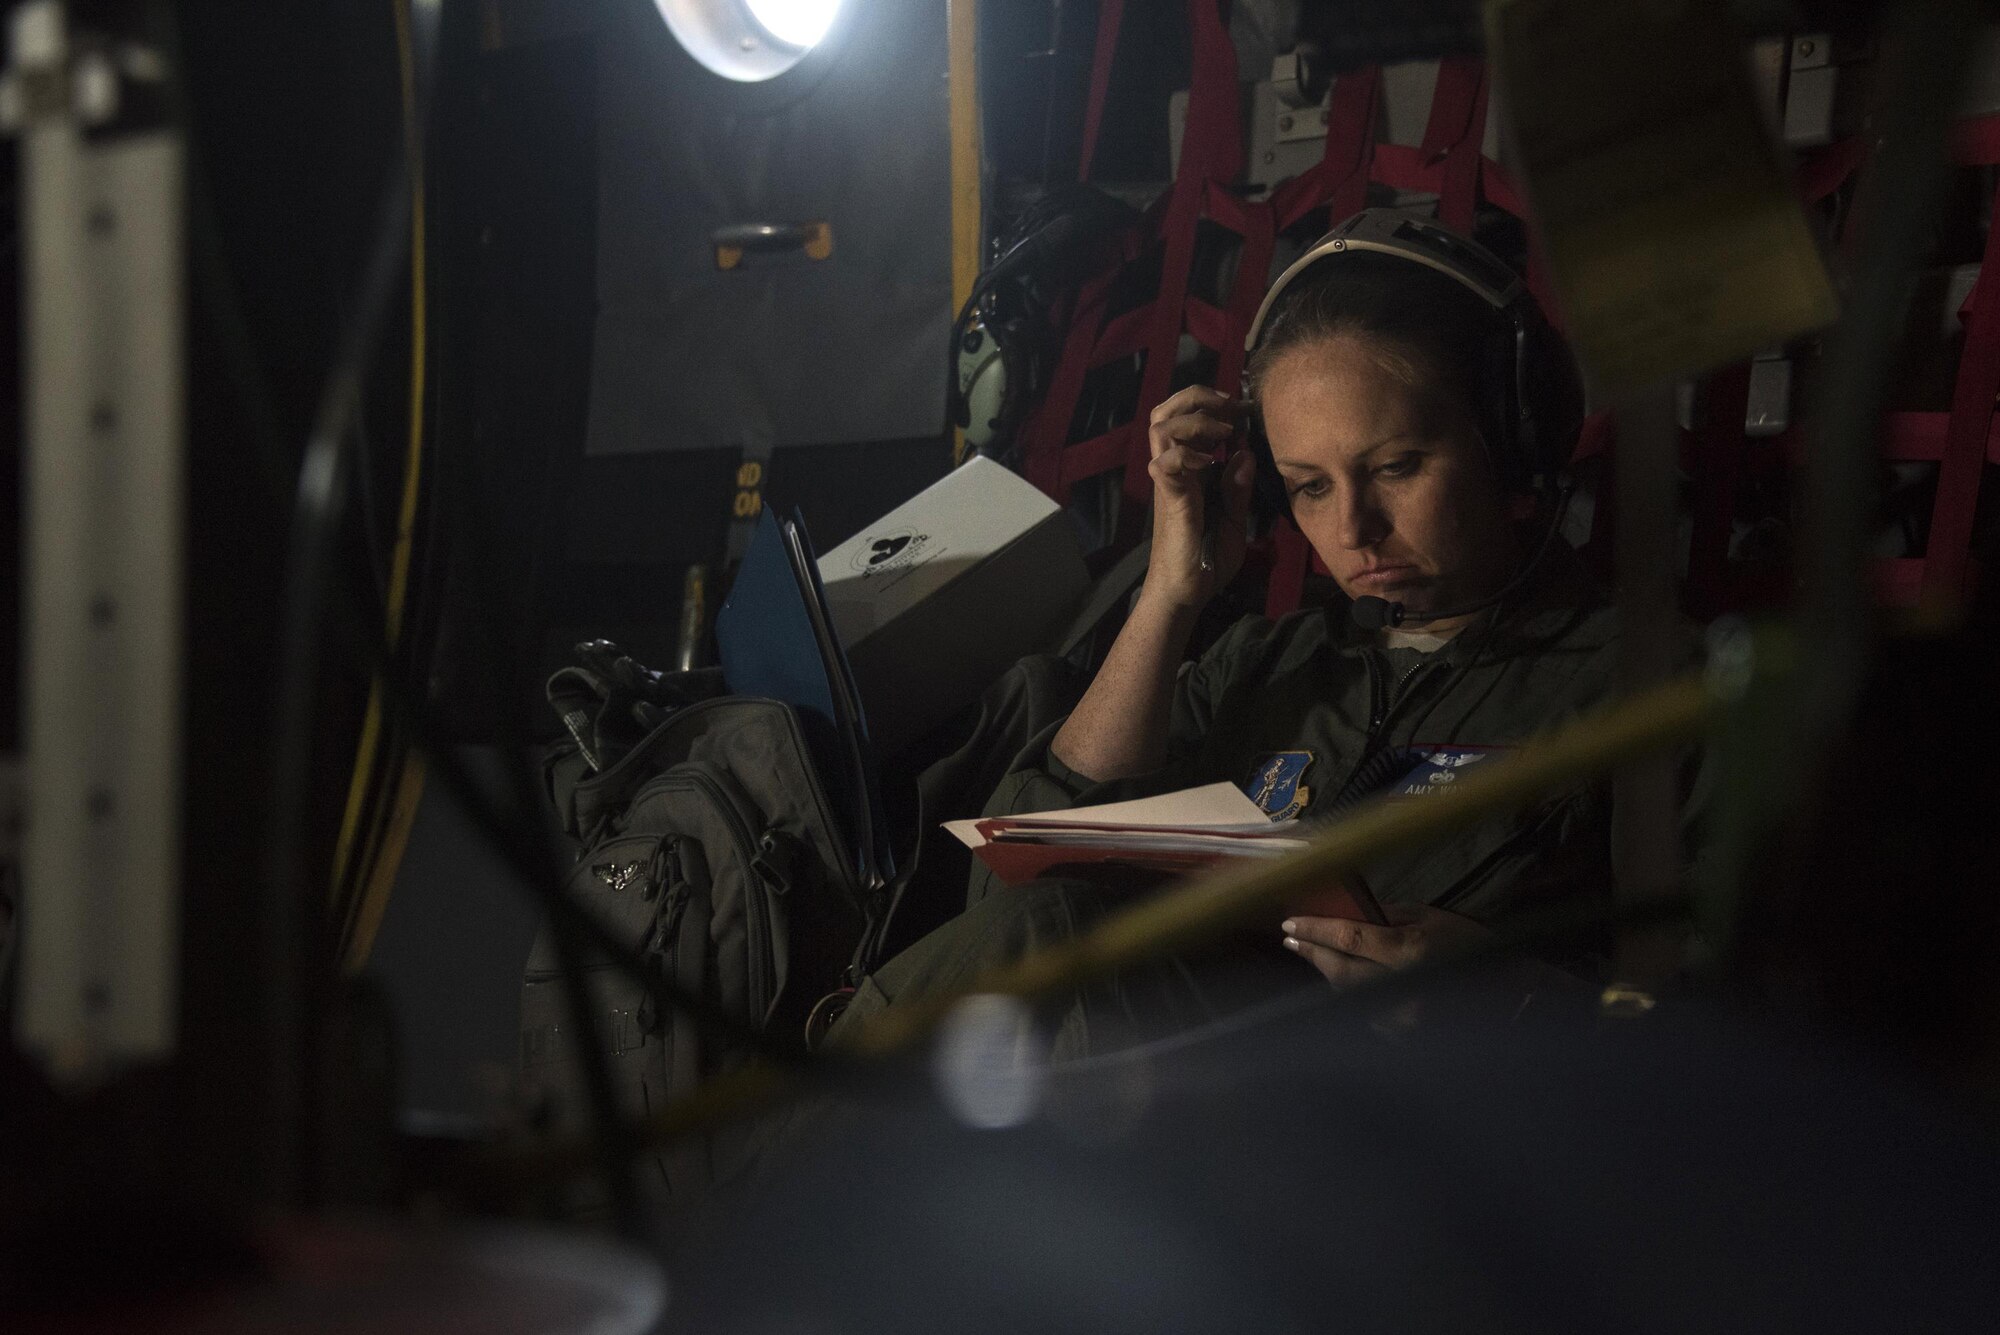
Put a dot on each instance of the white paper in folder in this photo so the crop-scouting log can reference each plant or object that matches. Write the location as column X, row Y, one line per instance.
column 945, row 592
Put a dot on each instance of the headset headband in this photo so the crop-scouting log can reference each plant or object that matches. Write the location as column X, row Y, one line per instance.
column 1418, row 240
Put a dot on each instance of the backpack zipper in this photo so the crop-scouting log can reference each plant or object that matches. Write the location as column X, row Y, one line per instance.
column 755, row 911
column 857, row 891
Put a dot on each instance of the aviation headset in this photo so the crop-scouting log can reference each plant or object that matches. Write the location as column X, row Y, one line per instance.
column 1533, row 395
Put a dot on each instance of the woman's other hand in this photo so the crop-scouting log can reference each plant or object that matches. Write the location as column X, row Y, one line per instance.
column 1184, row 433
column 1349, row 952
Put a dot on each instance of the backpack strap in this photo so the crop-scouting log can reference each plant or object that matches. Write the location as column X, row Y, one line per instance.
column 563, row 769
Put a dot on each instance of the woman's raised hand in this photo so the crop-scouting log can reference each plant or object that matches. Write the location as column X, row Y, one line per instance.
column 1184, row 433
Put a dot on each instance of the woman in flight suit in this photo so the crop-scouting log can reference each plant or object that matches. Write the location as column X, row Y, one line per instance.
column 1417, row 409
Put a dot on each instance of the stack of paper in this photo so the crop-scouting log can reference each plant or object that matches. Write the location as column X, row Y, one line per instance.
column 1175, row 833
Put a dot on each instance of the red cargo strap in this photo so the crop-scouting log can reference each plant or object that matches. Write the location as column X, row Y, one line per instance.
column 1340, row 178
column 1253, row 223
column 1211, row 150
column 1919, row 438
column 1827, row 170
column 1110, row 16
column 1211, row 154
column 1976, row 141
column 1967, row 434
column 1455, row 136
column 1047, row 428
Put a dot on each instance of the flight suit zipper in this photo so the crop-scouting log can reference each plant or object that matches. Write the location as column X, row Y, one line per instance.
column 1385, row 703
column 1382, row 703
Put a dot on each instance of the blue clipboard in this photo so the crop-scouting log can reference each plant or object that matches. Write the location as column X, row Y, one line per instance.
column 776, row 640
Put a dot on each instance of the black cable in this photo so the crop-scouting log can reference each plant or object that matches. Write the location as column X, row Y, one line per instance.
column 317, row 512
column 1482, row 637
column 377, row 810
column 212, row 293
column 316, row 586
column 373, row 540
column 305, row 603
column 359, row 620
column 615, row 1149
column 615, row 1145
column 1500, row 613
column 1055, row 239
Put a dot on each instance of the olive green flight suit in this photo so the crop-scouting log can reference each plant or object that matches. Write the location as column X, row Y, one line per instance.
column 1316, row 714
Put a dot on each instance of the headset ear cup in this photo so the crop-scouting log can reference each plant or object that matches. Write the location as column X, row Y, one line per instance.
column 1508, row 430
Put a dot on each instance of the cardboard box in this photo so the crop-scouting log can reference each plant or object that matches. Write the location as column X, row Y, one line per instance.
column 945, row 592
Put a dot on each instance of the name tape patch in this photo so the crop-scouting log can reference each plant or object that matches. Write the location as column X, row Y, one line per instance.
column 1438, row 768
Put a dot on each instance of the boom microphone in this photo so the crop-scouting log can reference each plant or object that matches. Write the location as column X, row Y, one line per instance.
column 1371, row 613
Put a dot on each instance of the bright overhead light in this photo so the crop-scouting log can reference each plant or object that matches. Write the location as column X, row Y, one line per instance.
column 749, row 41
column 799, row 23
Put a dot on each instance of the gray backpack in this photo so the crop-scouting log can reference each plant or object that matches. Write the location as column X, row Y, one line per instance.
column 710, row 847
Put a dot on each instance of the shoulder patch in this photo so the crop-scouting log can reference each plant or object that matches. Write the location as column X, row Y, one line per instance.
column 1274, row 783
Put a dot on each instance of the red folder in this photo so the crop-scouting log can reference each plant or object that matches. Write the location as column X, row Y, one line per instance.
column 1017, row 863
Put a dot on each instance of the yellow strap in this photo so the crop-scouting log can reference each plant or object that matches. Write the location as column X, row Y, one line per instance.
column 962, row 23
column 374, row 898
column 359, row 793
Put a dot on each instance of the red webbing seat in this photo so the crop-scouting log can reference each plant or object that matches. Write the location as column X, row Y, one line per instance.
column 1449, row 163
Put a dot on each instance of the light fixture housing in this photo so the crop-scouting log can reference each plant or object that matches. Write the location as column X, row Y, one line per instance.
column 749, row 41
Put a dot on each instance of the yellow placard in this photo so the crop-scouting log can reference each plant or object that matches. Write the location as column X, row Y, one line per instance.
column 1666, row 211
